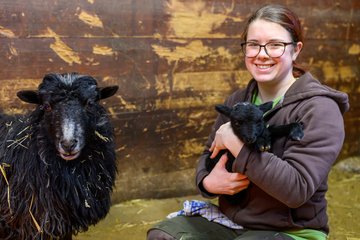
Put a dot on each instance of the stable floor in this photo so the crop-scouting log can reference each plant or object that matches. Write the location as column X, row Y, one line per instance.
column 130, row 220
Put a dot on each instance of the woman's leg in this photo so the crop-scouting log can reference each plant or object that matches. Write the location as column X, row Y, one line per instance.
column 190, row 228
column 262, row 235
column 157, row 234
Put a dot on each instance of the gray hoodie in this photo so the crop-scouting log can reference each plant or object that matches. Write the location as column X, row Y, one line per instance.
column 289, row 183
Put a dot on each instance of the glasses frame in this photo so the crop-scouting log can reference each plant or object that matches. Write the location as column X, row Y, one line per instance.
column 264, row 46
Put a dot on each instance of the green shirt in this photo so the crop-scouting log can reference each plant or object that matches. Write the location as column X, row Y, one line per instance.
column 306, row 234
column 257, row 101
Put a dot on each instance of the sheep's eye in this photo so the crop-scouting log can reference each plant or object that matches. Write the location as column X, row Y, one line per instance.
column 89, row 103
column 46, row 107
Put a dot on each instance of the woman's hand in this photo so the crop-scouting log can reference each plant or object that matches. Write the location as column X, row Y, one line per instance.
column 220, row 181
column 226, row 139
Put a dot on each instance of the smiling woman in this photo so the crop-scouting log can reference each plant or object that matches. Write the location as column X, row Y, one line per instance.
column 283, row 190
column 272, row 67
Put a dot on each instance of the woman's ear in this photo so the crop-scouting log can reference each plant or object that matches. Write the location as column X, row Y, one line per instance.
column 297, row 49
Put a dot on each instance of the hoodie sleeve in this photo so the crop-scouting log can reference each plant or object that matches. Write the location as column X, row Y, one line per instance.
column 296, row 176
column 201, row 171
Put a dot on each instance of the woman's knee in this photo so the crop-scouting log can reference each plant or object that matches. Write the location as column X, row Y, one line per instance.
column 157, row 234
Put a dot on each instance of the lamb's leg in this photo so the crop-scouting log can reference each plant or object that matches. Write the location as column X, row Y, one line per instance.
column 211, row 162
column 297, row 132
column 263, row 142
column 292, row 130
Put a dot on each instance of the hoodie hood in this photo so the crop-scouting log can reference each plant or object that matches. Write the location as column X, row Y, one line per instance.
column 304, row 88
column 307, row 86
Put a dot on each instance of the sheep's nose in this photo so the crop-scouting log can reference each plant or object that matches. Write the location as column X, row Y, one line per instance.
column 68, row 145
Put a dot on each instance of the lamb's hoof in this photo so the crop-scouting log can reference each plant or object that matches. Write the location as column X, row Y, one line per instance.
column 297, row 132
column 263, row 148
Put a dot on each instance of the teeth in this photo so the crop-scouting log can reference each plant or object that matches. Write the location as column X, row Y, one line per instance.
column 263, row 66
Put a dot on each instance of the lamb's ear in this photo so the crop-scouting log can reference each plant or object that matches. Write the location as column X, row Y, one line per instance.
column 106, row 92
column 266, row 106
column 29, row 96
column 223, row 109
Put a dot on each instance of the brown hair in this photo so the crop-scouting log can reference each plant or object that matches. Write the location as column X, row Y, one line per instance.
column 284, row 17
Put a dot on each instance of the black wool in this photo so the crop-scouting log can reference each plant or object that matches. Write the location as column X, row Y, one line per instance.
column 58, row 164
column 249, row 126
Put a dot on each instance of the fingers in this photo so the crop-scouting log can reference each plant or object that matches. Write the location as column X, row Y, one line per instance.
column 239, row 186
column 212, row 146
column 215, row 152
column 242, row 188
column 222, row 161
column 238, row 176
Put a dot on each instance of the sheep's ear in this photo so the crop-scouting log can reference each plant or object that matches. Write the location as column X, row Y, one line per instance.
column 106, row 92
column 29, row 96
column 266, row 106
column 223, row 109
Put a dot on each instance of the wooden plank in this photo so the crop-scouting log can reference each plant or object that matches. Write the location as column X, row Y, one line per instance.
column 173, row 60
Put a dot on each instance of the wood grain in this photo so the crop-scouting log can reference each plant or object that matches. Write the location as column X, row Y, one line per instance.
column 173, row 60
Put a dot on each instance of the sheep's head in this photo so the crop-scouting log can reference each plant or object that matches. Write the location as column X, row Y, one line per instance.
column 70, row 110
column 246, row 119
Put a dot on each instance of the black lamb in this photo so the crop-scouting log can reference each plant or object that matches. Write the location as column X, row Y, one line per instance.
column 248, row 124
column 58, row 164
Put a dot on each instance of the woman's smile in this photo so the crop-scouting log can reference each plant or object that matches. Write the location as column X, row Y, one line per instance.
column 264, row 66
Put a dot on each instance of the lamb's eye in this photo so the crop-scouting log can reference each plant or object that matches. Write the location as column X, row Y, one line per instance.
column 237, row 123
column 46, row 107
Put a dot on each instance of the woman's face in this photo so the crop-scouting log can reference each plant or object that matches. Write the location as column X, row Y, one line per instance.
column 264, row 68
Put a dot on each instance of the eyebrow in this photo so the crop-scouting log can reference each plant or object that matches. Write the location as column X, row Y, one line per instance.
column 271, row 40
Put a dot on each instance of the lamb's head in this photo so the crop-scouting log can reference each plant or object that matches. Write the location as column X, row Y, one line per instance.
column 246, row 119
column 69, row 109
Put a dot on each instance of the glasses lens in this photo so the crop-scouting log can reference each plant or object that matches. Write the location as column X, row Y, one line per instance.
column 251, row 49
column 272, row 49
column 275, row 49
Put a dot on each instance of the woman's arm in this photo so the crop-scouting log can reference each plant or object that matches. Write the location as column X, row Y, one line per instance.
column 219, row 180
column 305, row 164
column 226, row 139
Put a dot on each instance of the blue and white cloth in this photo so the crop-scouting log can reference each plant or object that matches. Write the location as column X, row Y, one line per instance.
column 207, row 210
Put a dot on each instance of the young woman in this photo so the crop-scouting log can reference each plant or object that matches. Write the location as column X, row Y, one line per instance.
column 284, row 189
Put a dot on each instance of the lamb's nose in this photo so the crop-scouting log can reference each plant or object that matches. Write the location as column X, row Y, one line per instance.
column 68, row 145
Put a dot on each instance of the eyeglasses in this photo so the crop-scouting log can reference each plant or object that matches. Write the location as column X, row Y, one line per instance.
column 272, row 49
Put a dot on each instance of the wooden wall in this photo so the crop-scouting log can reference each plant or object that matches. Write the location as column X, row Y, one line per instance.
column 173, row 60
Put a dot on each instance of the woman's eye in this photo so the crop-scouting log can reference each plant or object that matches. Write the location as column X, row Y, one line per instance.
column 275, row 45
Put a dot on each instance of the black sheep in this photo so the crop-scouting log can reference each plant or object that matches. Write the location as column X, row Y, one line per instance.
column 248, row 124
column 58, row 163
